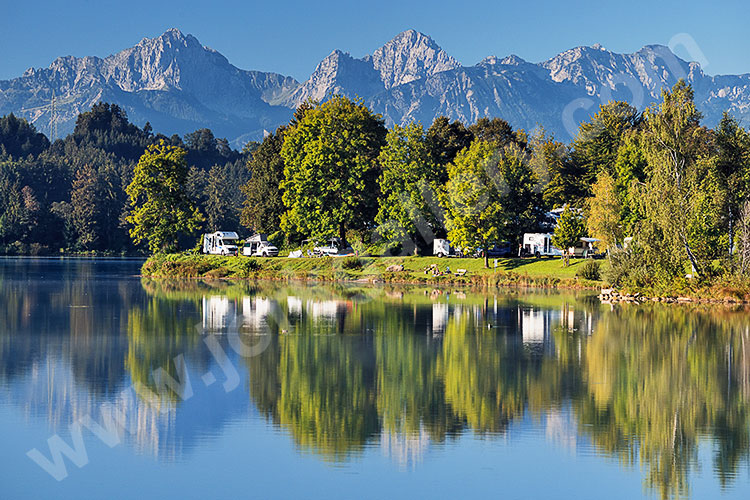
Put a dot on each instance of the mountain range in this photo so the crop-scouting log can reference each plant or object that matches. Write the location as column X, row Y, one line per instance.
column 179, row 85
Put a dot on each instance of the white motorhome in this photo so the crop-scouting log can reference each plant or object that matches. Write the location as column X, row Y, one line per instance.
column 258, row 246
column 539, row 244
column 220, row 243
column 441, row 247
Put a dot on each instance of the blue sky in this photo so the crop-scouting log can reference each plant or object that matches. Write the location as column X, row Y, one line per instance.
column 292, row 36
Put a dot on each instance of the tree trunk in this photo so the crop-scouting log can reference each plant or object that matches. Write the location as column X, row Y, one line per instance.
column 342, row 232
column 731, row 231
column 691, row 258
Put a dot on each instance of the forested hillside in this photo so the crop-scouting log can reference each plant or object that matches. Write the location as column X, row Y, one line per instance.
column 70, row 195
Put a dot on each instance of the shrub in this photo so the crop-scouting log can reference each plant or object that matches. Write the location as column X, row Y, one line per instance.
column 627, row 268
column 251, row 264
column 352, row 263
column 589, row 270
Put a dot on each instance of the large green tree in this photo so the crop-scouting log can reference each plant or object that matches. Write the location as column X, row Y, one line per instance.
column 733, row 164
column 604, row 212
column 223, row 195
column 569, row 230
column 490, row 195
column 86, row 204
column 682, row 198
column 445, row 140
column 473, row 208
column 20, row 138
column 161, row 211
column 330, row 169
column 598, row 141
column 409, row 212
column 497, row 131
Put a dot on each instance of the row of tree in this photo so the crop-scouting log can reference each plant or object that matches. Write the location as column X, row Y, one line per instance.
column 666, row 195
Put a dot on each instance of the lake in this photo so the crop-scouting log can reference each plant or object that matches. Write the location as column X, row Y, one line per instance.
column 117, row 386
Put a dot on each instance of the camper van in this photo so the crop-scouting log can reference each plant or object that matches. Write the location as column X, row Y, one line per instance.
column 220, row 243
column 258, row 246
column 441, row 248
column 539, row 244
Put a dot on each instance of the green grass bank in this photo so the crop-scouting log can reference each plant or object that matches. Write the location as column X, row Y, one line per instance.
column 510, row 272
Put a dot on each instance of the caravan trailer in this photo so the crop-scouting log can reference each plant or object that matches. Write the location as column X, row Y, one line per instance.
column 441, row 248
column 538, row 245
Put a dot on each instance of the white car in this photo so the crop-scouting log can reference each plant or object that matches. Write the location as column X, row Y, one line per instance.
column 258, row 246
column 334, row 248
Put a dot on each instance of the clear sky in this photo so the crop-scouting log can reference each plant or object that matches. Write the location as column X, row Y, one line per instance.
column 292, row 36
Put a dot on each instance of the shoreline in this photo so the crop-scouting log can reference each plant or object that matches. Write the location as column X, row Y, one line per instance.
column 514, row 273
column 367, row 270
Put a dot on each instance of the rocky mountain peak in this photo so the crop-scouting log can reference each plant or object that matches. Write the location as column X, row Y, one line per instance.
column 338, row 73
column 513, row 60
column 409, row 56
column 489, row 61
column 162, row 62
column 179, row 85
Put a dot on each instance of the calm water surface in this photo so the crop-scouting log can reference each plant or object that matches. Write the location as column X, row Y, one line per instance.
column 142, row 388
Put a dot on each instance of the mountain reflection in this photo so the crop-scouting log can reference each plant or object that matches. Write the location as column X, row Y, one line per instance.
column 403, row 369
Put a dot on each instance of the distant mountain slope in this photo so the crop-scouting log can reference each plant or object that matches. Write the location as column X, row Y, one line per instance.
column 172, row 81
column 179, row 86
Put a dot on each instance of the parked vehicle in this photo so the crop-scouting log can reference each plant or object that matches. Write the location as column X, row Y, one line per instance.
column 221, row 243
column 258, row 246
column 500, row 249
column 334, row 247
column 586, row 248
column 441, row 248
column 539, row 244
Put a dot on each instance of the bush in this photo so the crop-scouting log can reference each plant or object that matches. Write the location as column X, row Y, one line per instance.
column 589, row 270
column 627, row 268
column 246, row 267
column 352, row 263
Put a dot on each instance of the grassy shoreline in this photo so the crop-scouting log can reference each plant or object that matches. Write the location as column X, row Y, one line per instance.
column 545, row 273
column 536, row 273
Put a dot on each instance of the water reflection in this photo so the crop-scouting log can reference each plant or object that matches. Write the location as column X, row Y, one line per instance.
column 403, row 369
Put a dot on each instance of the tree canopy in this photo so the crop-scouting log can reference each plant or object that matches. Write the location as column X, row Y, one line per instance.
column 330, row 169
column 161, row 211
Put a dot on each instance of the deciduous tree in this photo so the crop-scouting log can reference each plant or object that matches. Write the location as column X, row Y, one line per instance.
column 569, row 231
column 409, row 212
column 161, row 211
column 330, row 169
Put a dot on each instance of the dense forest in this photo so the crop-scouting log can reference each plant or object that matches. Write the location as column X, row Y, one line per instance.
column 70, row 195
column 669, row 198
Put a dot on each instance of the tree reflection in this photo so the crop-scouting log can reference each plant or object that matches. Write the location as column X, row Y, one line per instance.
column 158, row 332
column 350, row 367
column 660, row 379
